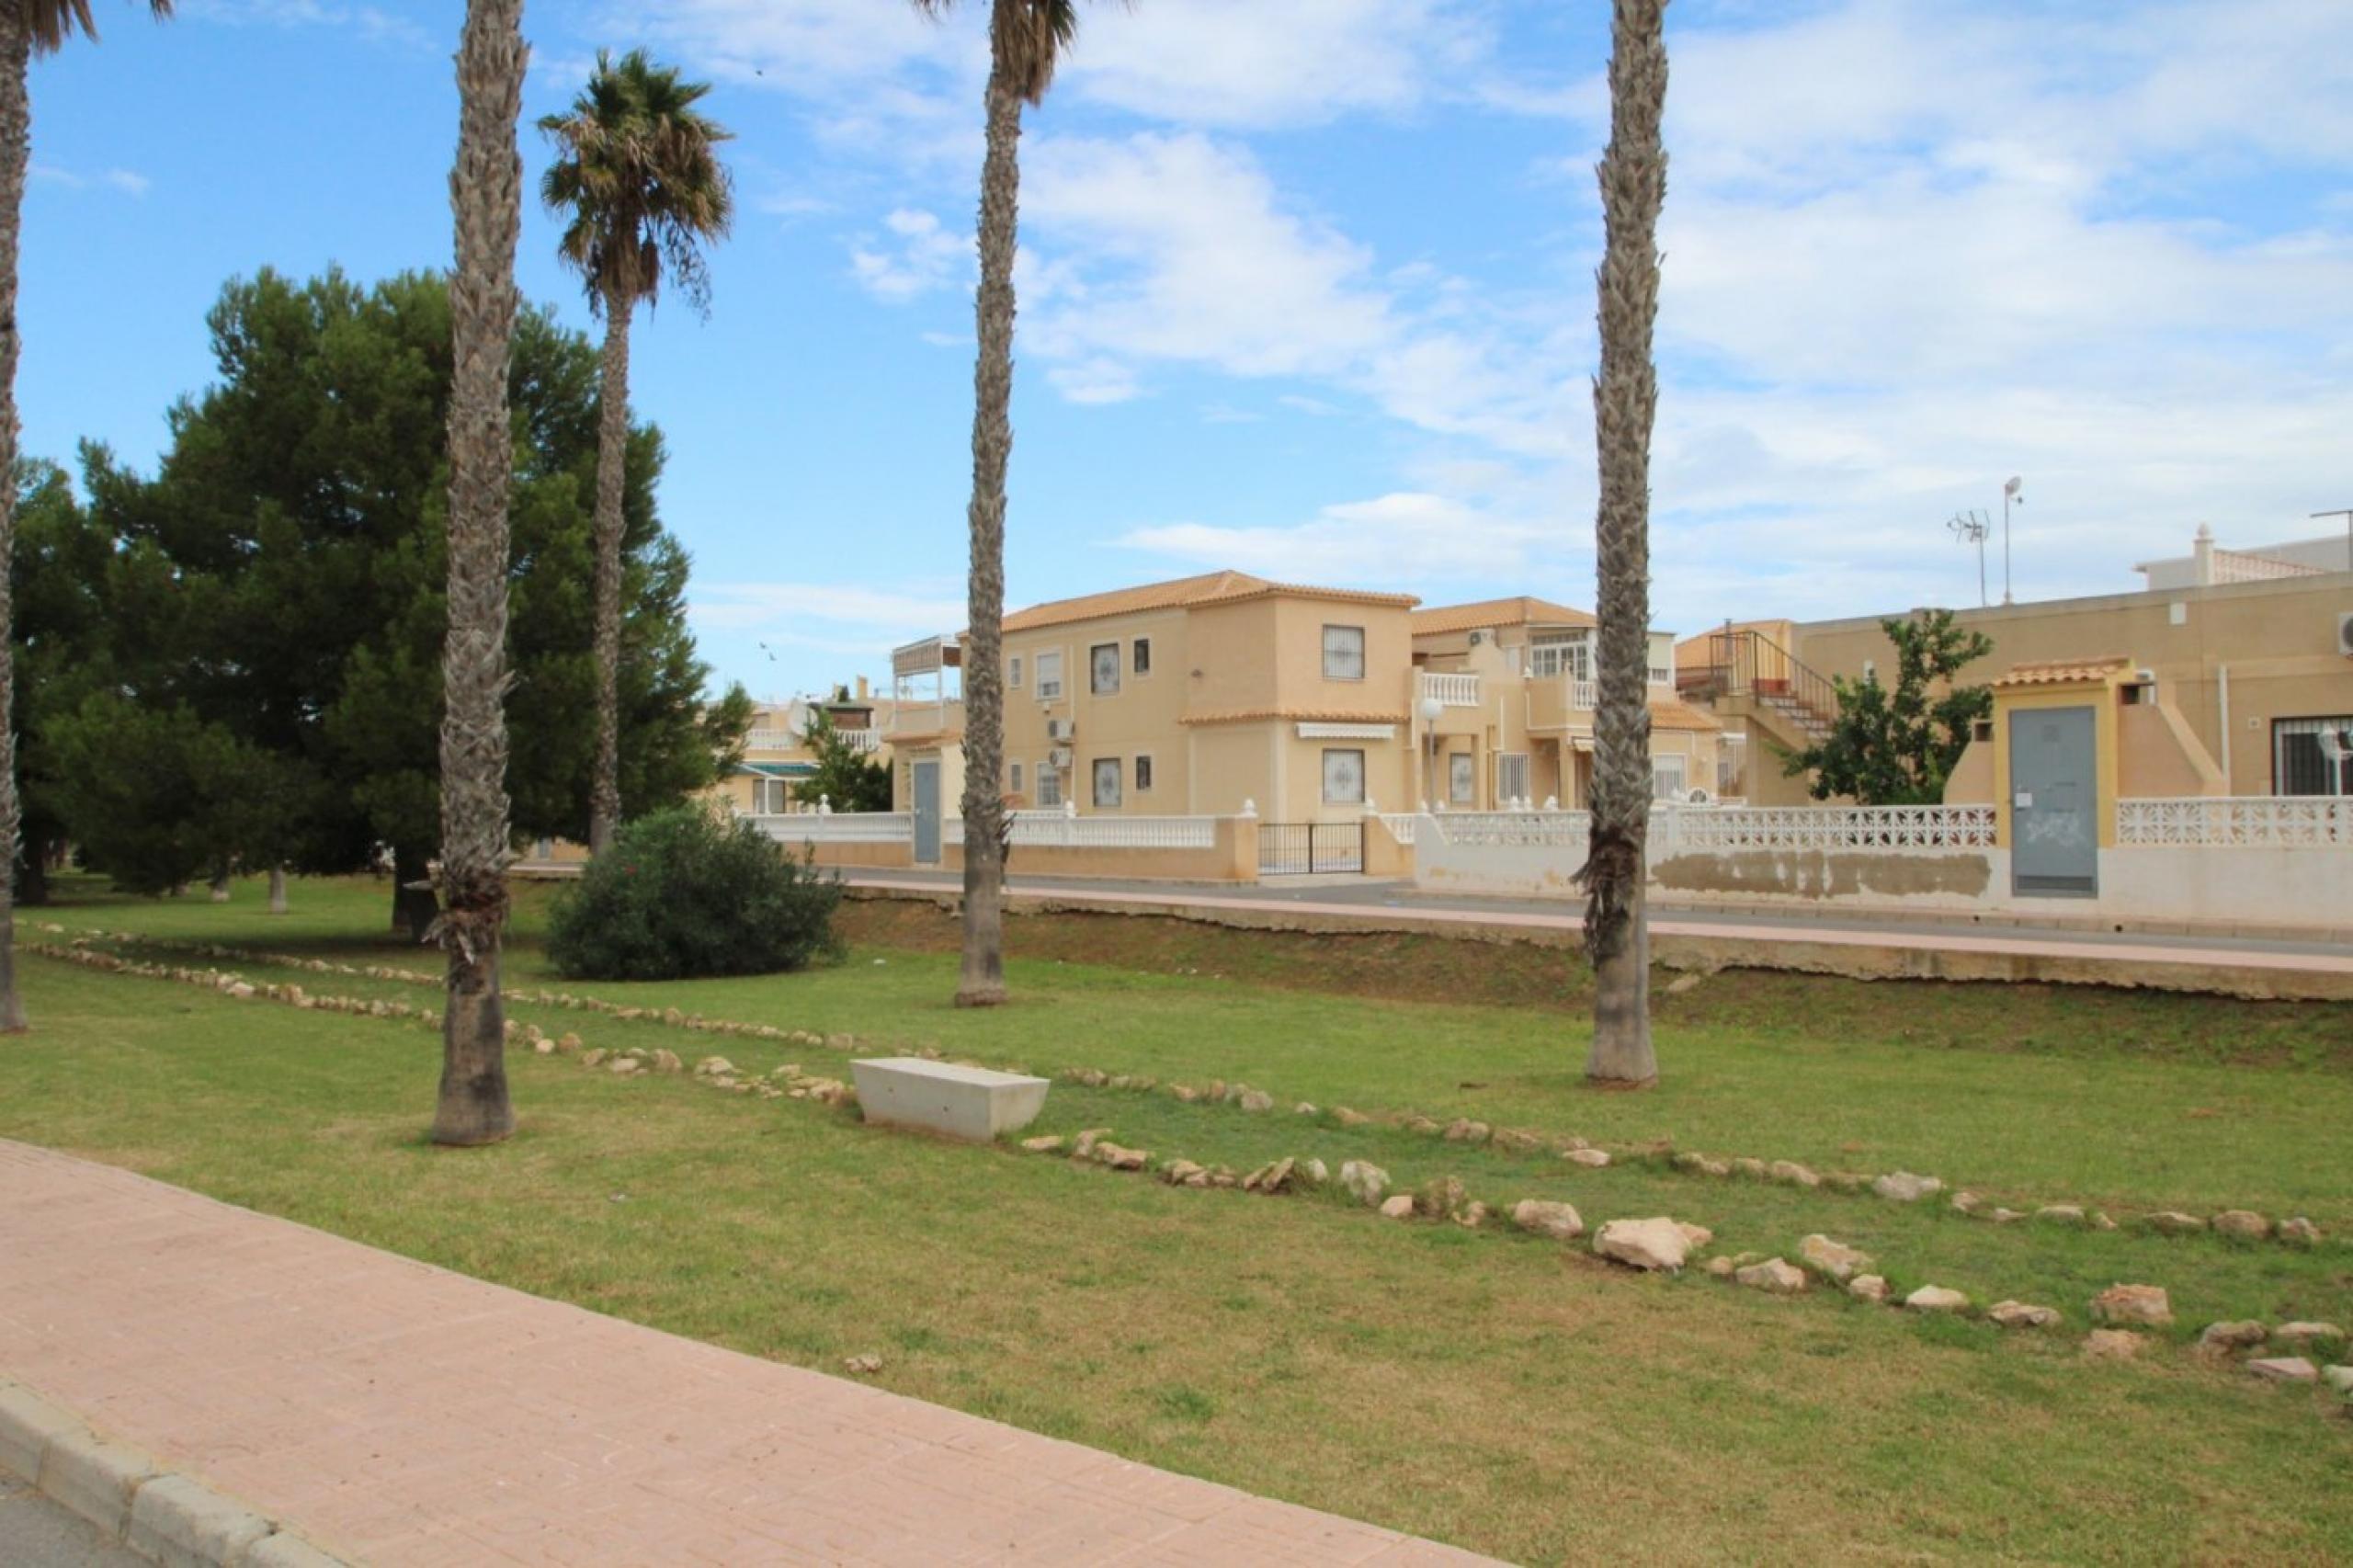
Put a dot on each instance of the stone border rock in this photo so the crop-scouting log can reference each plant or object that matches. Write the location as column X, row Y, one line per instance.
column 1894, row 1185
column 132, row 1501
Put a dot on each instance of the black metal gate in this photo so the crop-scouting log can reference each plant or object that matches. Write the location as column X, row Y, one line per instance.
column 1310, row 849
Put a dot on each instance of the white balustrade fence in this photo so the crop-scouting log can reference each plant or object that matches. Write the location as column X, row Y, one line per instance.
column 839, row 827
column 1452, row 688
column 2237, row 822
column 1400, row 825
column 1682, row 830
column 1058, row 829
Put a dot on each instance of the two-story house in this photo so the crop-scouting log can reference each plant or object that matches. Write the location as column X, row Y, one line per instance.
column 1504, row 697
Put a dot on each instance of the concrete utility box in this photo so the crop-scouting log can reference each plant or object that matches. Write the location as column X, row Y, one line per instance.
column 970, row 1102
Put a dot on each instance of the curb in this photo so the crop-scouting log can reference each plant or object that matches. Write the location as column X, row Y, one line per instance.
column 173, row 1520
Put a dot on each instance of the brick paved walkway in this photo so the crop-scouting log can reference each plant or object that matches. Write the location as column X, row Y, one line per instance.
column 404, row 1415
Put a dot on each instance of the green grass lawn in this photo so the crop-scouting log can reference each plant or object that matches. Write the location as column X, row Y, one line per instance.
column 1504, row 1393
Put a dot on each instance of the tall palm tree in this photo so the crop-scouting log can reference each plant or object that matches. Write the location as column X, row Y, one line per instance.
column 27, row 28
column 637, row 175
column 1026, row 42
column 486, row 199
column 1625, row 403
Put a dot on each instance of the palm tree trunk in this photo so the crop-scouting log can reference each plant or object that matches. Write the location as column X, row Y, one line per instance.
column 1625, row 403
column 612, row 451
column 15, row 144
column 485, row 196
column 982, row 983
column 278, row 889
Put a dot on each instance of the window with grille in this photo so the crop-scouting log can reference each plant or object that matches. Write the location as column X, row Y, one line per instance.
column 1511, row 776
column 1144, row 775
column 1013, row 671
column 2312, row 757
column 1344, row 653
column 1461, row 779
column 1107, row 782
column 1050, row 785
column 1017, row 777
column 1143, row 656
column 1667, row 777
column 1103, row 669
column 1344, row 778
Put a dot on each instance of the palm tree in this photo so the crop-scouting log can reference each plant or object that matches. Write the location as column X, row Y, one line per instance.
column 638, row 177
column 1026, row 42
column 27, row 28
column 1625, row 403
column 486, row 199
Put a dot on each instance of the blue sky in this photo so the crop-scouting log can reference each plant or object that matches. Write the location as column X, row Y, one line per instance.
column 1306, row 287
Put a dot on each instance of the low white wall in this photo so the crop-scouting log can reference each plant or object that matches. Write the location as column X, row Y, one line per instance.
column 2272, row 886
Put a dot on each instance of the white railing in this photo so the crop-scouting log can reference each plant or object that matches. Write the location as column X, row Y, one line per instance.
column 1451, row 689
column 1400, row 825
column 1827, row 827
column 1677, row 830
column 771, row 740
column 1061, row 830
column 861, row 740
column 839, row 827
column 1583, row 697
column 2237, row 822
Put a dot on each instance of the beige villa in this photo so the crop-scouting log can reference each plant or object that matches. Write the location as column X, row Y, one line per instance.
column 1208, row 694
column 776, row 750
column 2232, row 674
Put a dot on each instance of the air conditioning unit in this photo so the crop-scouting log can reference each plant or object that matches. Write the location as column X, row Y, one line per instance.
column 1059, row 758
column 1477, row 638
column 2345, row 632
column 1061, row 729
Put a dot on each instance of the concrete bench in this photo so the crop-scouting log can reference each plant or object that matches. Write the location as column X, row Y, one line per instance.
column 970, row 1102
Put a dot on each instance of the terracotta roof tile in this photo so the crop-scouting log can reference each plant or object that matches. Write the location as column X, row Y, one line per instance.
column 1673, row 713
column 1521, row 610
column 1311, row 715
column 1186, row 593
column 2061, row 672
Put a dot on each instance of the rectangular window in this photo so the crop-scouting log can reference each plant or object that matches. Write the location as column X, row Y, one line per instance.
column 1344, row 778
column 1144, row 775
column 1344, row 653
column 1667, row 778
column 1143, row 656
column 1103, row 669
column 1013, row 671
column 1550, row 652
column 1050, row 785
column 1511, row 776
column 1461, row 779
column 1017, row 777
column 1107, row 782
column 1050, row 675
column 2312, row 757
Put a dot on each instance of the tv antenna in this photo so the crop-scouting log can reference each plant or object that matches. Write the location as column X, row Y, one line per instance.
column 1970, row 527
column 2010, row 495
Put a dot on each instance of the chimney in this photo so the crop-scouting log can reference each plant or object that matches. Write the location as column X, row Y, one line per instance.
column 862, row 688
column 2201, row 556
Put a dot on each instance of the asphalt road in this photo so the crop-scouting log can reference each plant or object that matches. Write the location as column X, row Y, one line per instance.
column 37, row 1533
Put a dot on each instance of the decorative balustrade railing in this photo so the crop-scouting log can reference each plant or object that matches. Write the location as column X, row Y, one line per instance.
column 1584, row 695
column 839, row 827
column 1400, row 825
column 1826, row 827
column 1700, row 830
column 1452, row 688
column 2237, row 822
column 1057, row 829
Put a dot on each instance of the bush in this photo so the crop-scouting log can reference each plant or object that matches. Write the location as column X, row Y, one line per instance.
column 682, row 893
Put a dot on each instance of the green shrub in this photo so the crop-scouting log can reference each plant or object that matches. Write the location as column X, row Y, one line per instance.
column 683, row 894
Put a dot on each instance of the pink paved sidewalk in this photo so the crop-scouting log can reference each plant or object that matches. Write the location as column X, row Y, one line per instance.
column 404, row 1415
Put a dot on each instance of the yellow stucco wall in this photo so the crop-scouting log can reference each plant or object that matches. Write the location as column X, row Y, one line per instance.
column 2272, row 644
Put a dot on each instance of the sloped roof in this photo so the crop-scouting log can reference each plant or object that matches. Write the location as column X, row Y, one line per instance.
column 1521, row 609
column 2061, row 672
column 1311, row 715
column 1186, row 593
column 1673, row 713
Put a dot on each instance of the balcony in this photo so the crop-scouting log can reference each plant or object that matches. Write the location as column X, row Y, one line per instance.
column 1561, row 701
column 1451, row 689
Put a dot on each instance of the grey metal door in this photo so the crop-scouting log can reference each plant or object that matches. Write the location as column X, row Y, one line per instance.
column 2054, row 798
column 926, row 793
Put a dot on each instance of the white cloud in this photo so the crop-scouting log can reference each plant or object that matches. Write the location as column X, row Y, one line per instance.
column 1406, row 537
column 130, row 182
column 920, row 256
column 761, row 606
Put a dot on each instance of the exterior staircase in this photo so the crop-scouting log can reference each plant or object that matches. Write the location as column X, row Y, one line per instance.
column 1746, row 666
